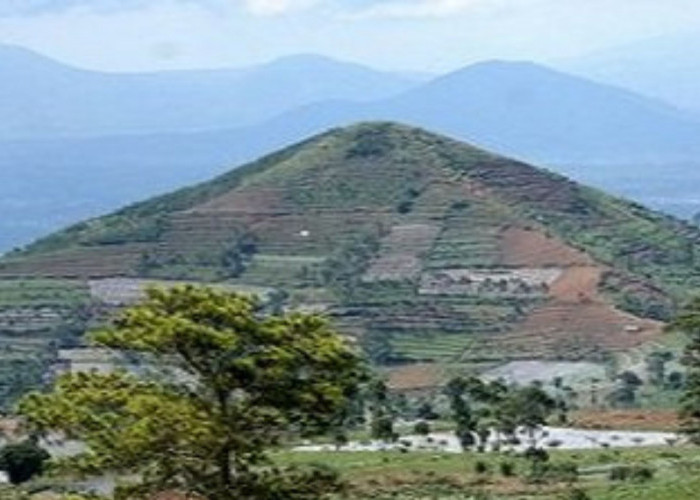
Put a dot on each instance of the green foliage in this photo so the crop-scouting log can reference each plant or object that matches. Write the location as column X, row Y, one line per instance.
column 236, row 385
column 381, row 411
column 688, row 322
column 547, row 472
column 371, row 142
column 478, row 408
column 481, row 467
column 422, row 428
column 575, row 494
column 322, row 212
column 23, row 461
column 506, row 468
column 633, row 473
column 342, row 271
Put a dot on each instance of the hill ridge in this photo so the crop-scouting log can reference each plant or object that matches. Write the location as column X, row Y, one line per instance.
column 403, row 236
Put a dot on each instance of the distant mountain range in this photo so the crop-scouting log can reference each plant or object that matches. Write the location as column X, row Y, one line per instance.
column 528, row 111
column 665, row 67
column 205, row 122
column 43, row 98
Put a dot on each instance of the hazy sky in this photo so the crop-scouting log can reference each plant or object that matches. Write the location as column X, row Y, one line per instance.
column 424, row 35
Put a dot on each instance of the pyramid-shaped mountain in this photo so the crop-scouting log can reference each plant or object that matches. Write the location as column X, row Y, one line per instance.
column 425, row 248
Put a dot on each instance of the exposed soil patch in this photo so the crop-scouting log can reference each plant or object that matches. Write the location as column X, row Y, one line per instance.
column 415, row 377
column 253, row 201
column 577, row 321
column 87, row 262
column 532, row 248
column 657, row 420
column 577, row 285
column 401, row 251
column 574, row 330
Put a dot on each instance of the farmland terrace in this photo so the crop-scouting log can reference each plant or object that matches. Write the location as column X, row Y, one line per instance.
column 426, row 249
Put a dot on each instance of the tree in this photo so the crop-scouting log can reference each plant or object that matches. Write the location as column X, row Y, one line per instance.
column 465, row 424
column 656, row 367
column 688, row 322
column 561, row 399
column 630, row 379
column 675, row 380
column 23, row 461
column 623, row 396
column 426, row 412
column 422, row 428
column 382, row 413
column 533, row 406
column 230, row 385
column 382, row 428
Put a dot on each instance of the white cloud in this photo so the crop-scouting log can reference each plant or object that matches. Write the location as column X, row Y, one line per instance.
column 418, row 8
column 277, row 7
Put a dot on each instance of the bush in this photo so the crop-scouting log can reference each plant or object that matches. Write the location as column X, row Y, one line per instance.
column 575, row 494
column 633, row 473
column 542, row 472
column 536, row 454
column 481, row 467
column 422, row 428
column 23, row 461
column 507, row 469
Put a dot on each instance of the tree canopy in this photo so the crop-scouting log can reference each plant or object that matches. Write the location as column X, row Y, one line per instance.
column 227, row 385
column 688, row 322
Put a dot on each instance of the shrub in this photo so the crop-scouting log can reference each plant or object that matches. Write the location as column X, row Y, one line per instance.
column 542, row 472
column 23, row 461
column 481, row 467
column 575, row 494
column 422, row 428
column 634, row 473
column 536, row 454
column 507, row 468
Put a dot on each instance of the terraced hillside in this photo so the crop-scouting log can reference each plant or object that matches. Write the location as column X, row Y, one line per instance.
column 425, row 248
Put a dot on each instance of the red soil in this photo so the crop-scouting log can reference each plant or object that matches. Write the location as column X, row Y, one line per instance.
column 533, row 248
column 643, row 420
column 415, row 377
column 577, row 318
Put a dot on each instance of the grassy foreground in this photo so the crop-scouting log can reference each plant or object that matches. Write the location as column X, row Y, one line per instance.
column 426, row 475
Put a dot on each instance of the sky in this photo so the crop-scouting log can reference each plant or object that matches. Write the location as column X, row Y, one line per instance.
column 411, row 35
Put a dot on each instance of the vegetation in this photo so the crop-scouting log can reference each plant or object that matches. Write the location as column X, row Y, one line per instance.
column 688, row 322
column 22, row 461
column 355, row 221
column 37, row 317
column 236, row 386
column 649, row 474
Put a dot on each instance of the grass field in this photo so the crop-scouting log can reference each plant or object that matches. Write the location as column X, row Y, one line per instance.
column 385, row 475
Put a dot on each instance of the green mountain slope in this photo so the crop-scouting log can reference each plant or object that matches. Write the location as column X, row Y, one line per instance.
column 424, row 247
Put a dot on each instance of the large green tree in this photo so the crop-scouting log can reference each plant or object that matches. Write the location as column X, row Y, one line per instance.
column 688, row 322
column 228, row 385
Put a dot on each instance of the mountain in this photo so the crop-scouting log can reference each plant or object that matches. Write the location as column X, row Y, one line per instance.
column 40, row 97
column 662, row 67
column 76, row 143
column 529, row 111
column 596, row 133
column 425, row 248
